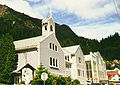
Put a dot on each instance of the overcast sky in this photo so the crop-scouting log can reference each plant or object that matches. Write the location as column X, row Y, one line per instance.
column 95, row 19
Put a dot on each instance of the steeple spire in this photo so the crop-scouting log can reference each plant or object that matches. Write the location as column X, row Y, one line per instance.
column 50, row 11
column 48, row 24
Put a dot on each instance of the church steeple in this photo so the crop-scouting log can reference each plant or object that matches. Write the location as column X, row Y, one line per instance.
column 50, row 12
column 48, row 25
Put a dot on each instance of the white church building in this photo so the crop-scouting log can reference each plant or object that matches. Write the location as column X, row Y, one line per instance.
column 46, row 50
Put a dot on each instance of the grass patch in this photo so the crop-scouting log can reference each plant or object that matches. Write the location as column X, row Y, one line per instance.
column 2, row 84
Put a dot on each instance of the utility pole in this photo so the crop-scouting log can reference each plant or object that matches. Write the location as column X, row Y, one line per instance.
column 116, row 8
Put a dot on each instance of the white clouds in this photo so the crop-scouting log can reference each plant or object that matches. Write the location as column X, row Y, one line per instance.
column 20, row 6
column 41, row 9
column 97, row 31
column 33, row 0
column 87, row 9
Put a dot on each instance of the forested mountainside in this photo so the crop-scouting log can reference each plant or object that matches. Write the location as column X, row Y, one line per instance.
column 22, row 26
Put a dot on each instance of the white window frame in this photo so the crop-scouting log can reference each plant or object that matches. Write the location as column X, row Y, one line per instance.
column 55, row 46
column 55, row 63
column 50, row 45
column 67, row 57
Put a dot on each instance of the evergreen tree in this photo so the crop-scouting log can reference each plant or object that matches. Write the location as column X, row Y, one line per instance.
column 52, row 79
column 7, row 58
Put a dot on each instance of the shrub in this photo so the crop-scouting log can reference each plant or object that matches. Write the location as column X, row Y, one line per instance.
column 52, row 79
column 76, row 82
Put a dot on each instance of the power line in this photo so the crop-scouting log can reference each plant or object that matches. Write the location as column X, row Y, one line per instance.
column 116, row 8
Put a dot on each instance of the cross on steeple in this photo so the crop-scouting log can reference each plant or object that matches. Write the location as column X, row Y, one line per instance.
column 50, row 11
column 48, row 24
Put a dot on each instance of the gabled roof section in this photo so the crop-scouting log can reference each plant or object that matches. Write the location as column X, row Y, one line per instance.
column 25, row 66
column 29, row 43
column 71, row 49
column 87, row 57
column 28, row 66
column 66, row 51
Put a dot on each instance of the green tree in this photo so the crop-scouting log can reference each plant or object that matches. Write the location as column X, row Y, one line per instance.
column 8, row 58
column 37, row 80
column 76, row 82
column 52, row 79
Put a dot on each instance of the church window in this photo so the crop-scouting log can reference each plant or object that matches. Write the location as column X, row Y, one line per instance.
column 51, row 61
column 78, row 72
column 50, row 45
column 79, row 59
column 55, row 48
column 45, row 23
column 51, row 28
column 56, row 63
column 67, row 58
column 68, row 65
column 45, row 27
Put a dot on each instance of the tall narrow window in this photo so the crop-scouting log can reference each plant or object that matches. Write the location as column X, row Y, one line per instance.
column 45, row 27
column 78, row 72
column 51, row 61
column 51, row 28
column 50, row 45
column 55, row 48
column 56, row 63
column 79, row 59
column 65, row 57
column 83, row 73
column 68, row 58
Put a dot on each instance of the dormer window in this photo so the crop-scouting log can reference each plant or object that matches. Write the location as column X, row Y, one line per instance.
column 51, row 28
column 67, row 58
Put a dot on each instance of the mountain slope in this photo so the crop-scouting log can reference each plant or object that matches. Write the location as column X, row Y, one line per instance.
column 111, row 47
column 21, row 26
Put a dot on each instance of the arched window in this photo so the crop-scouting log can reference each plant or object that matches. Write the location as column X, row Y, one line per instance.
column 79, row 59
column 50, row 45
column 55, row 48
column 51, row 28
column 45, row 27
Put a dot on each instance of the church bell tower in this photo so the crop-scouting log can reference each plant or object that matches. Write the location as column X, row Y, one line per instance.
column 48, row 25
